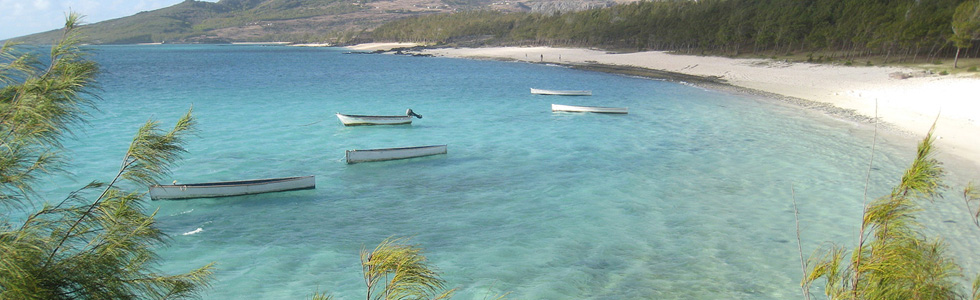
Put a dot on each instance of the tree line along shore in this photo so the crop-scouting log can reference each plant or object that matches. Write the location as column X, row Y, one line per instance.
column 906, row 31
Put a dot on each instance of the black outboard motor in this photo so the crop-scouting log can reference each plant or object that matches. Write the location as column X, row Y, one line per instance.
column 411, row 113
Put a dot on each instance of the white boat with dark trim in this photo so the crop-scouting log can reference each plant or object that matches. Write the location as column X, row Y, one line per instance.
column 353, row 120
column 594, row 109
column 560, row 92
column 231, row 188
column 356, row 156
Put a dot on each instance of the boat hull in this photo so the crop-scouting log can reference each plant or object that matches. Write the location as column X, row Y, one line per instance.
column 560, row 92
column 356, row 120
column 231, row 188
column 358, row 156
column 592, row 109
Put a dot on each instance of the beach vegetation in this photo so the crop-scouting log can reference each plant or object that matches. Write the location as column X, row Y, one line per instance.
column 317, row 295
column 964, row 66
column 893, row 258
column 897, row 31
column 965, row 26
column 396, row 269
column 971, row 195
column 97, row 242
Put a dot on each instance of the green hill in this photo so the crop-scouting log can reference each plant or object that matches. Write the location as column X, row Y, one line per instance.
column 266, row 20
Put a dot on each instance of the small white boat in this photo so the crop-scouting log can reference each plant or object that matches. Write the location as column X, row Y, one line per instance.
column 560, row 92
column 353, row 120
column 594, row 109
column 356, row 156
column 231, row 188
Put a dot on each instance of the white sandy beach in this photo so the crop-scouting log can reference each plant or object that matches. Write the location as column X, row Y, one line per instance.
column 909, row 105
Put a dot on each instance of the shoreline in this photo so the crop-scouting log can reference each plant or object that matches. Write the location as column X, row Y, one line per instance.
column 906, row 106
column 718, row 84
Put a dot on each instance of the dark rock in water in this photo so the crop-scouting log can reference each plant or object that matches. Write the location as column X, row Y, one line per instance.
column 396, row 51
column 363, row 52
column 400, row 52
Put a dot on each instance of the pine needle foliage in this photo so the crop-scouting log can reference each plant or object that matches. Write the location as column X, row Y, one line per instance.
column 396, row 270
column 894, row 260
column 96, row 243
column 971, row 194
column 39, row 104
column 317, row 295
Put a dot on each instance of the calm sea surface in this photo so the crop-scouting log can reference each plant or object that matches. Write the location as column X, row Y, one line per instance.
column 688, row 196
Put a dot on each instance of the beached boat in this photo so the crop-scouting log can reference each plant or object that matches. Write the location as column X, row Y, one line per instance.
column 352, row 120
column 356, row 156
column 231, row 188
column 594, row 109
column 560, row 92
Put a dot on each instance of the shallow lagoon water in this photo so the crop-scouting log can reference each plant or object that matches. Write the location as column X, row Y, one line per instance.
column 688, row 196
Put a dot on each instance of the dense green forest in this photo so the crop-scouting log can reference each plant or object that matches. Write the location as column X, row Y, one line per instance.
column 902, row 29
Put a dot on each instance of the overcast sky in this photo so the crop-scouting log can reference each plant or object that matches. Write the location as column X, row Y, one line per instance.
column 23, row 17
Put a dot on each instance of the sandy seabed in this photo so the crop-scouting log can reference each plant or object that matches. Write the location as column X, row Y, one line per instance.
column 905, row 101
column 908, row 106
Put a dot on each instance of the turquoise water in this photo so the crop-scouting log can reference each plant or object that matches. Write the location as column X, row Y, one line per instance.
column 688, row 196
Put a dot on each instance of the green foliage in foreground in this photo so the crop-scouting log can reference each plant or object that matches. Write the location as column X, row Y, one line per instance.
column 395, row 270
column 972, row 196
column 97, row 243
column 894, row 259
column 398, row 270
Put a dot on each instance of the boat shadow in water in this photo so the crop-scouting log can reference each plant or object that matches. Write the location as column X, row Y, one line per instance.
column 274, row 198
column 386, row 154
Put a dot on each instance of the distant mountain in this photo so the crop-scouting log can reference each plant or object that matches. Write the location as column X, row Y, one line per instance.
column 314, row 21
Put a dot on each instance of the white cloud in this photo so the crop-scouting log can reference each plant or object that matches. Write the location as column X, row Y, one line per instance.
column 42, row 4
